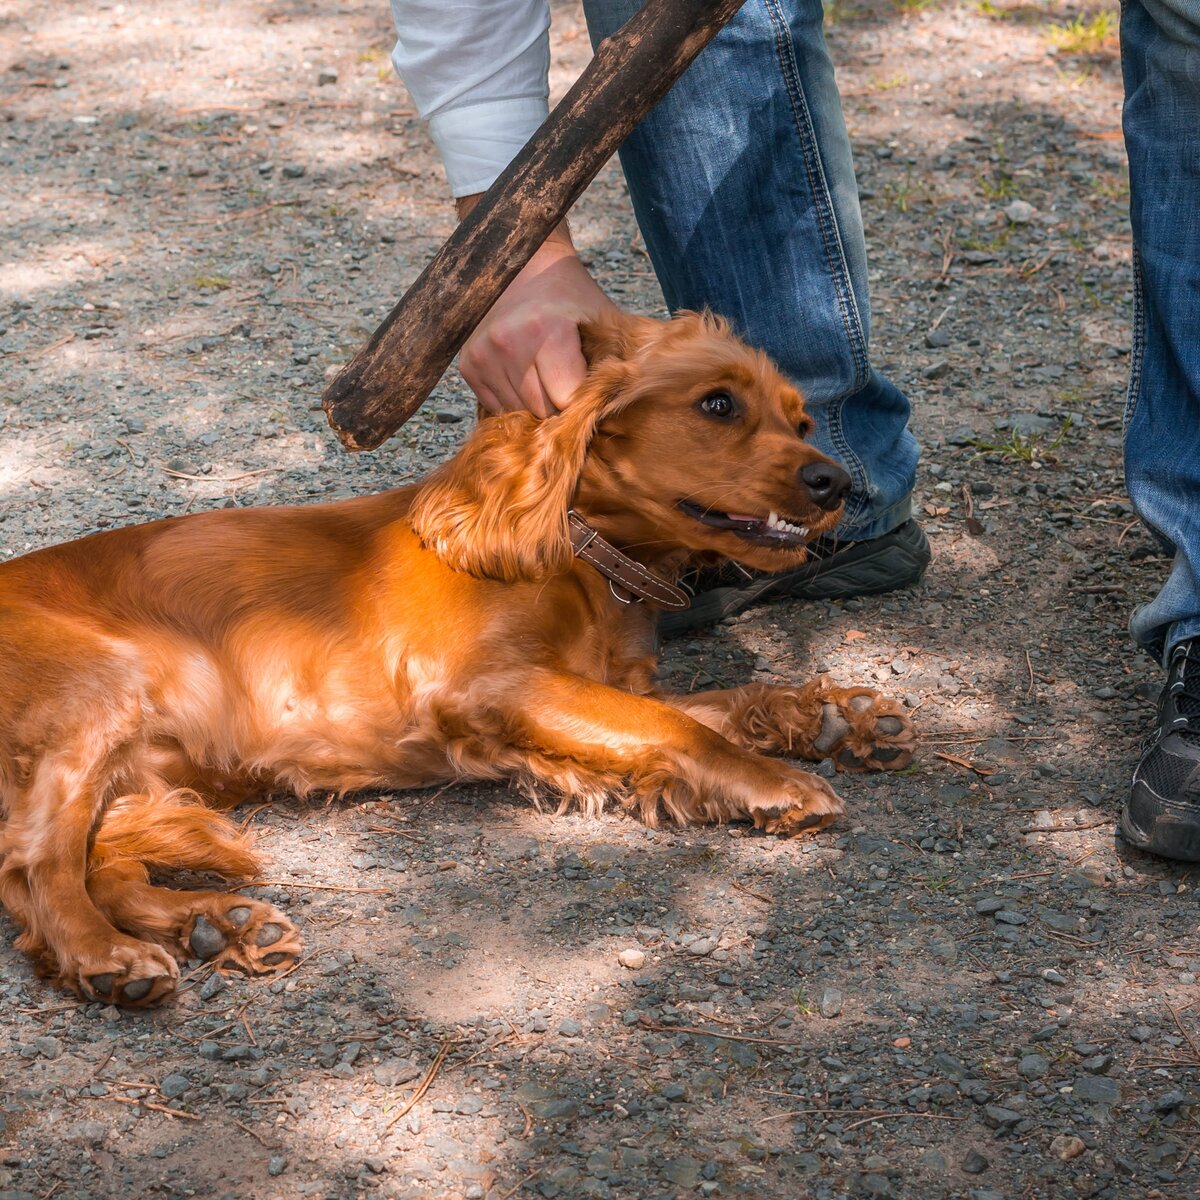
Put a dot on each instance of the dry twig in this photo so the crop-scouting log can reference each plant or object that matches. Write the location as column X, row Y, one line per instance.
column 423, row 1086
column 749, row 892
column 1067, row 828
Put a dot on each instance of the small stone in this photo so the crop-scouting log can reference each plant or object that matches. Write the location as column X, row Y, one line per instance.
column 876, row 1186
column 632, row 959
column 988, row 905
column 1020, row 212
column 974, row 1163
column 935, row 370
column 1050, row 975
column 212, row 986
column 468, row 1106
column 277, row 1165
column 1169, row 1101
column 173, row 1086
column 1067, row 1146
column 326, row 76
column 1027, row 424
column 1010, row 916
column 1033, row 1066
column 569, row 1027
column 393, row 1072
column 1141, row 1033
column 1096, row 1089
column 831, row 1002
column 294, row 170
column 702, row 947
column 1000, row 1118
column 938, row 339
column 48, row 1047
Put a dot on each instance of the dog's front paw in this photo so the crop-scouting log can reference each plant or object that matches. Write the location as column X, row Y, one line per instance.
column 132, row 974
column 806, row 804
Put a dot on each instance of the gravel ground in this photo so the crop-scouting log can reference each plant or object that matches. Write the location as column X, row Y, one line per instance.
column 968, row 989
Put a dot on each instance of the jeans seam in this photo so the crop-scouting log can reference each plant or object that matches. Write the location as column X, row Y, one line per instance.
column 1137, row 347
column 835, row 257
column 830, row 236
column 837, row 436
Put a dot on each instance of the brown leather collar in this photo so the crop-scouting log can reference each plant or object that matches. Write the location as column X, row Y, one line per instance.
column 628, row 581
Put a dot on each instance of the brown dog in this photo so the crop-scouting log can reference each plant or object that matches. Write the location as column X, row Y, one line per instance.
column 437, row 633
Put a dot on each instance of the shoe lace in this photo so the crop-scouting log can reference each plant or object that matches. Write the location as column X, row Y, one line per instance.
column 1182, row 691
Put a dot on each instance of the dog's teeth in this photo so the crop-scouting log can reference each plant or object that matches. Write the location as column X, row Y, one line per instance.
column 773, row 520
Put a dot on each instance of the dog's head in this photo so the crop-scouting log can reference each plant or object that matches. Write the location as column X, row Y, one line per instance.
column 682, row 442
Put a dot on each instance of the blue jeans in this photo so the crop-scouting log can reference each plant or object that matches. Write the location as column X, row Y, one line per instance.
column 1160, row 53
column 744, row 189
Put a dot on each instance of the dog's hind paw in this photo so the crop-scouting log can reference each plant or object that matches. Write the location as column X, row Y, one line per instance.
column 240, row 934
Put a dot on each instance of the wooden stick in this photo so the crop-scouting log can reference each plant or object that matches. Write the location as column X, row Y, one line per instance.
column 390, row 377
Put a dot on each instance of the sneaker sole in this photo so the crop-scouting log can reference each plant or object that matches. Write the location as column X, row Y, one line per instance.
column 1158, row 826
column 883, row 564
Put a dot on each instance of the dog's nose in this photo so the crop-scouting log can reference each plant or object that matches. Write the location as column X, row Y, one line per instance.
column 826, row 484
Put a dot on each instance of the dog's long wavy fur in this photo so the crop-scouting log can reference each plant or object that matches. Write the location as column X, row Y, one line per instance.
column 153, row 676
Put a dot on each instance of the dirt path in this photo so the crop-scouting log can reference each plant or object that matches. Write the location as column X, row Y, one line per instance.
column 933, row 1000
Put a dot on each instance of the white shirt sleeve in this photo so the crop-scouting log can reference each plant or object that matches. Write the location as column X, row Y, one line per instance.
column 477, row 71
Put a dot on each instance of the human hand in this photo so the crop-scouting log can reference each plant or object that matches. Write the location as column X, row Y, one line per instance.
column 525, row 354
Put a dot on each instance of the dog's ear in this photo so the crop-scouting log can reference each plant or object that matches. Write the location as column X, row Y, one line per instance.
column 617, row 335
column 498, row 509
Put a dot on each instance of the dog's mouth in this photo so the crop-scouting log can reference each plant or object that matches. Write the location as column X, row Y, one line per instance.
column 771, row 530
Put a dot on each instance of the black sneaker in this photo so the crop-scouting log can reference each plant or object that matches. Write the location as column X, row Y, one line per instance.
column 1162, row 814
column 834, row 570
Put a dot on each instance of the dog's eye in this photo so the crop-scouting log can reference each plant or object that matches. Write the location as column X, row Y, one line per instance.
column 718, row 404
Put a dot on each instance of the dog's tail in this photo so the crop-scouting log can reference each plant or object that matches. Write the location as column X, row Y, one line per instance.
column 173, row 831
